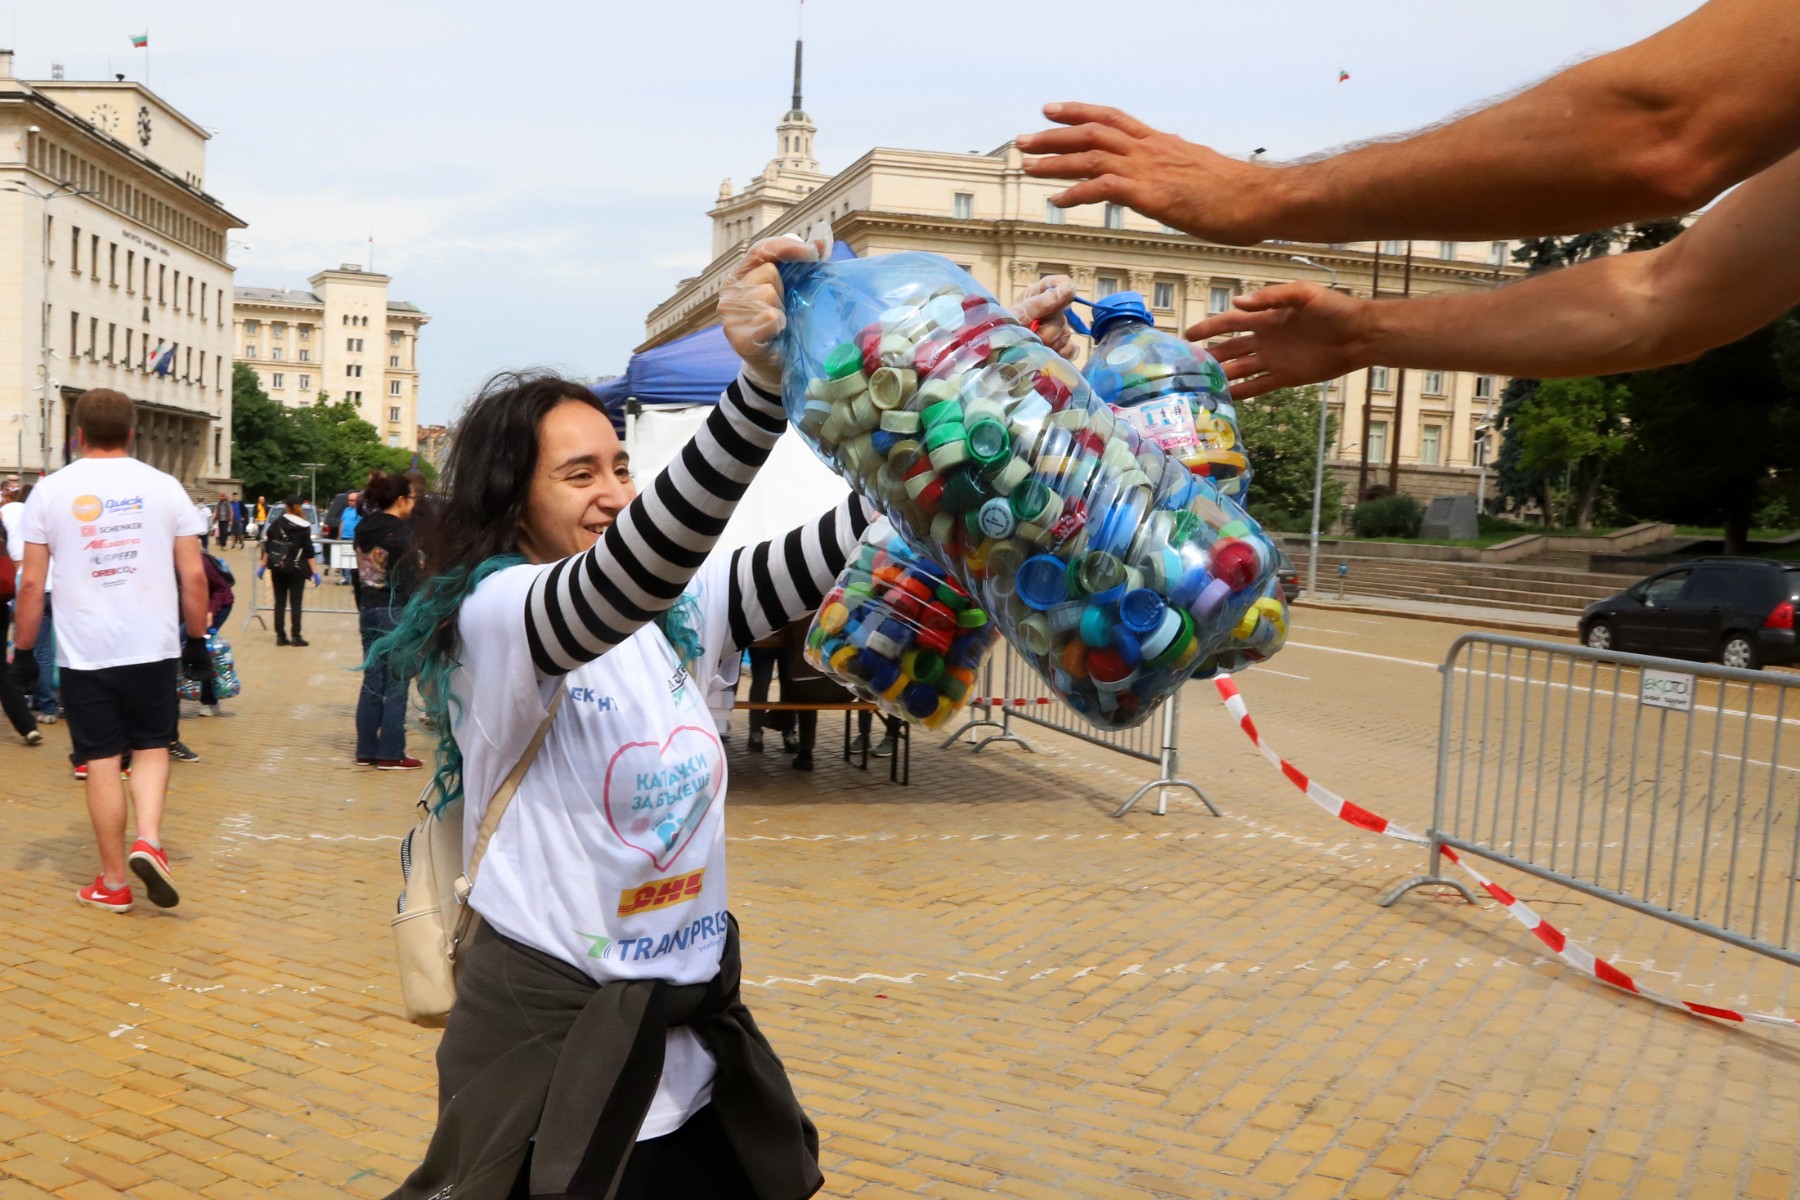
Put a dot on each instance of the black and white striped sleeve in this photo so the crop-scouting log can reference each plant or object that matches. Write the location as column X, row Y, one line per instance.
column 780, row 581
column 590, row 602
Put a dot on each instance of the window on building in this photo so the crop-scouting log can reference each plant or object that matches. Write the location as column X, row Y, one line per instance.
column 394, row 390
column 1478, row 446
column 275, row 353
column 218, row 447
column 74, row 334
column 277, row 329
column 306, row 333
column 1378, row 379
column 964, row 203
column 112, row 340
column 277, row 380
column 393, row 439
column 306, row 383
column 249, row 351
column 1115, row 216
column 94, row 258
column 190, row 295
column 162, row 281
column 75, row 250
column 1378, row 441
column 1484, row 387
column 1393, row 248
column 252, row 328
column 203, row 302
column 127, row 359
column 393, row 337
column 1434, row 383
column 1054, row 215
column 1106, row 285
column 1497, row 254
column 305, row 354
column 130, row 267
column 1430, row 440
column 394, row 361
column 393, row 412
column 112, row 264
column 1218, row 298
column 1162, row 295
column 1447, row 250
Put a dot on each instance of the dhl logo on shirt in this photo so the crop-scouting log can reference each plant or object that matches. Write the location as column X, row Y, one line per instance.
column 661, row 893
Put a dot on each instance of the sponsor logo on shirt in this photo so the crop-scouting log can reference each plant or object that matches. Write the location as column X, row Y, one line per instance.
column 661, row 893
column 701, row 931
column 103, row 544
column 678, row 683
column 86, row 508
column 587, row 695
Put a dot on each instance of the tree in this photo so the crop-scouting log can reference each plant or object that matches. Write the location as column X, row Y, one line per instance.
column 1571, row 430
column 1280, row 432
column 270, row 442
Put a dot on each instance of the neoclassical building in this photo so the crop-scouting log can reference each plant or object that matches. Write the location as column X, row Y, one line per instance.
column 983, row 212
column 112, row 274
column 344, row 337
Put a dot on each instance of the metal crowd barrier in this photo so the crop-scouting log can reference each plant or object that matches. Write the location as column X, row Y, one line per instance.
column 1023, row 697
column 333, row 598
column 1665, row 786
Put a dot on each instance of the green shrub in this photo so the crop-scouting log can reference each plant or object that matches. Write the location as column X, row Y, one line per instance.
column 1390, row 516
column 1272, row 518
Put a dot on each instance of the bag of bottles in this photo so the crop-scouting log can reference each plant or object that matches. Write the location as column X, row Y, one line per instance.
column 1171, row 391
column 1114, row 570
column 224, row 667
column 899, row 631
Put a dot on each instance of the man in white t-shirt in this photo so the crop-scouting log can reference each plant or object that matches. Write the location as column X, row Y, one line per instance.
column 120, row 535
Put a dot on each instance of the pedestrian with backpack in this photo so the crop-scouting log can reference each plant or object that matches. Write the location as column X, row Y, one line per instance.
column 288, row 558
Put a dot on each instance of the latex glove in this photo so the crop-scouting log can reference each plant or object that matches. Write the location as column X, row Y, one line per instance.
column 1290, row 334
column 1045, row 302
column 196, row 662
column 1120, row 159
column 315, row 579
column 24, row 670
column 259, row 571
column 750, row 305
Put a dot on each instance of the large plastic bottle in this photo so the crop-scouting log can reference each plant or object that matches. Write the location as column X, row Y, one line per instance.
column 1172, row 392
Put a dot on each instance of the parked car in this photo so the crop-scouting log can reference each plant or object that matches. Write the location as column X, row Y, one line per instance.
column 1286, row 575
column 1738, row 611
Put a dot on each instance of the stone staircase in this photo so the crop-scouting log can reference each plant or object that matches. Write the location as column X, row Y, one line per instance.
column 1536, row 587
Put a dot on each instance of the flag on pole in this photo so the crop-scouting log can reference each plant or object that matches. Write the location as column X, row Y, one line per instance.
column 152, row 356
column 1343, row 76
column 167, row 362
column 141, row 41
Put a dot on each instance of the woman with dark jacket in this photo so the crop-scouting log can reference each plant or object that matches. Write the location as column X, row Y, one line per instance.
column 287, row 554
column 219, row 599
column 387, row 568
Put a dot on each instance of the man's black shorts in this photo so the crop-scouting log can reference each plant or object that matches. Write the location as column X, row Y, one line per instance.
column 115, row 709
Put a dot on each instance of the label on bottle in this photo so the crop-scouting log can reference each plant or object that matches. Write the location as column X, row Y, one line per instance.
column 1166, row 421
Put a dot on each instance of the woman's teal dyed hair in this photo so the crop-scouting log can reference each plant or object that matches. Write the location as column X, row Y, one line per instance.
column 471, row 531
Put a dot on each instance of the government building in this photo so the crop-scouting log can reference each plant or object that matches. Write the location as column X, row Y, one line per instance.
column 113, row 274
column 344, row 338
column 983, row 212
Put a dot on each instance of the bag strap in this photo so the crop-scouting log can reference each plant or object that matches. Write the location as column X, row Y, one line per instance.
column 496, row 808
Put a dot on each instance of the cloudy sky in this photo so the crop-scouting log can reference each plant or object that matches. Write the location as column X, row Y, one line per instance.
column 536, row 173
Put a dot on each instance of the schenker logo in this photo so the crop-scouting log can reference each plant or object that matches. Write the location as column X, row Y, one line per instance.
column 660, row 893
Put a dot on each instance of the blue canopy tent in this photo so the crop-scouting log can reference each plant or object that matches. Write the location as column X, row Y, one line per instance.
column 689, row 370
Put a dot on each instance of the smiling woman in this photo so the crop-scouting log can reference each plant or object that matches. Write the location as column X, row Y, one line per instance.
column 602, row 898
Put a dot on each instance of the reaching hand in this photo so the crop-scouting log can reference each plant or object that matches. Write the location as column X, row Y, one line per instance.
column 1122, row 160
column 260, row 570
column 315, row 579
column 750, row 305
column 1291, row 334
column 1045, row 302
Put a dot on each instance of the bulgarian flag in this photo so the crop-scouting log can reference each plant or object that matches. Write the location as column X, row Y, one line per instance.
column 141, row 41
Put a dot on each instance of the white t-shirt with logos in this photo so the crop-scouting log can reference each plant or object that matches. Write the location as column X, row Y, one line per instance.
column 110, row 525
column 612, row 854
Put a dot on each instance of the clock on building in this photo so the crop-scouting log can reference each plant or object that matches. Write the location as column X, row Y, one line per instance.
column 105, row 118
column 143, row 124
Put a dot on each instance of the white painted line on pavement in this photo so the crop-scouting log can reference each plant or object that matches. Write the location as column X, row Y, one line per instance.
column 1272, row 671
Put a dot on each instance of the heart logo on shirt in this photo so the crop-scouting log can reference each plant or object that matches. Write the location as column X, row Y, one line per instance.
column 657, row 796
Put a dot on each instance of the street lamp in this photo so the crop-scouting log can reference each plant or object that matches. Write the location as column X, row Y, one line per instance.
column 314, row 468
column 1312, row 542
column 60, row 190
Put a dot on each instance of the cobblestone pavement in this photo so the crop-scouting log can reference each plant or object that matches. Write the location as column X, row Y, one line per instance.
column 982, row 984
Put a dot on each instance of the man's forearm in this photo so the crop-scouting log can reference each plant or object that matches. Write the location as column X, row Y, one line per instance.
column 28, row 614
column 1654, row 129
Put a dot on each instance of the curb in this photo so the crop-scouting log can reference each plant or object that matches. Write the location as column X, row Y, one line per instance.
column 1472, row 619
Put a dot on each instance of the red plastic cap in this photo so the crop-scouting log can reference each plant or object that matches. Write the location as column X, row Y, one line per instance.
column 1235, row 563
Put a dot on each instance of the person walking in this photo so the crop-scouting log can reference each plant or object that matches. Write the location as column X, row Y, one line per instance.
column 238, row 522
column 219, row 599
column 387, row 565
column 118, row 657
column 289, row 558
column 42, row 697
column 559, row 600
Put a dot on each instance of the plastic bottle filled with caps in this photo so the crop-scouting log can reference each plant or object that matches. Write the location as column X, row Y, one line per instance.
column 898, row 630
column 1111, row 567
column 1171, row 391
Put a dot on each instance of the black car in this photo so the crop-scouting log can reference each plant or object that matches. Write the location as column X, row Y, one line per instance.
column 1738, row 611
column 1286, row 576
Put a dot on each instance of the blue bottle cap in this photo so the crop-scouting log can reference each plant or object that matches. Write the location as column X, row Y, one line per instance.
column 883, row 679
column 1127, row 647
column 869, row 664
column 883, row 441
column 1117, row 308
column 1097, row 627
column 921, row 700
column 1195, row 581
column 1040, row 581
column 1141, row 610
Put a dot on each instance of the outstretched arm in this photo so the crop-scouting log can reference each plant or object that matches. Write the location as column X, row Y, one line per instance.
column 1651, row 130
column 780, row 581
column 1734, row 271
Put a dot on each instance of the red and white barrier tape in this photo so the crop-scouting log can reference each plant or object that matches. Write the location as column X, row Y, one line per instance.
column 1015, row 702
column 1573, row 953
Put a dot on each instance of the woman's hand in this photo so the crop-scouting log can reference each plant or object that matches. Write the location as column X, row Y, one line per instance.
column 1289, row 334
column 750, row 306
column 1045, row 302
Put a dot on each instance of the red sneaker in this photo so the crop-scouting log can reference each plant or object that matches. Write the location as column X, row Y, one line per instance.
column 100, row 896
column 398, row 764
column 151, row 865
column 81, row 773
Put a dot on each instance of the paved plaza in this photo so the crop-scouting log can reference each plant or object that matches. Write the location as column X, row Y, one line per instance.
column 983, row 984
